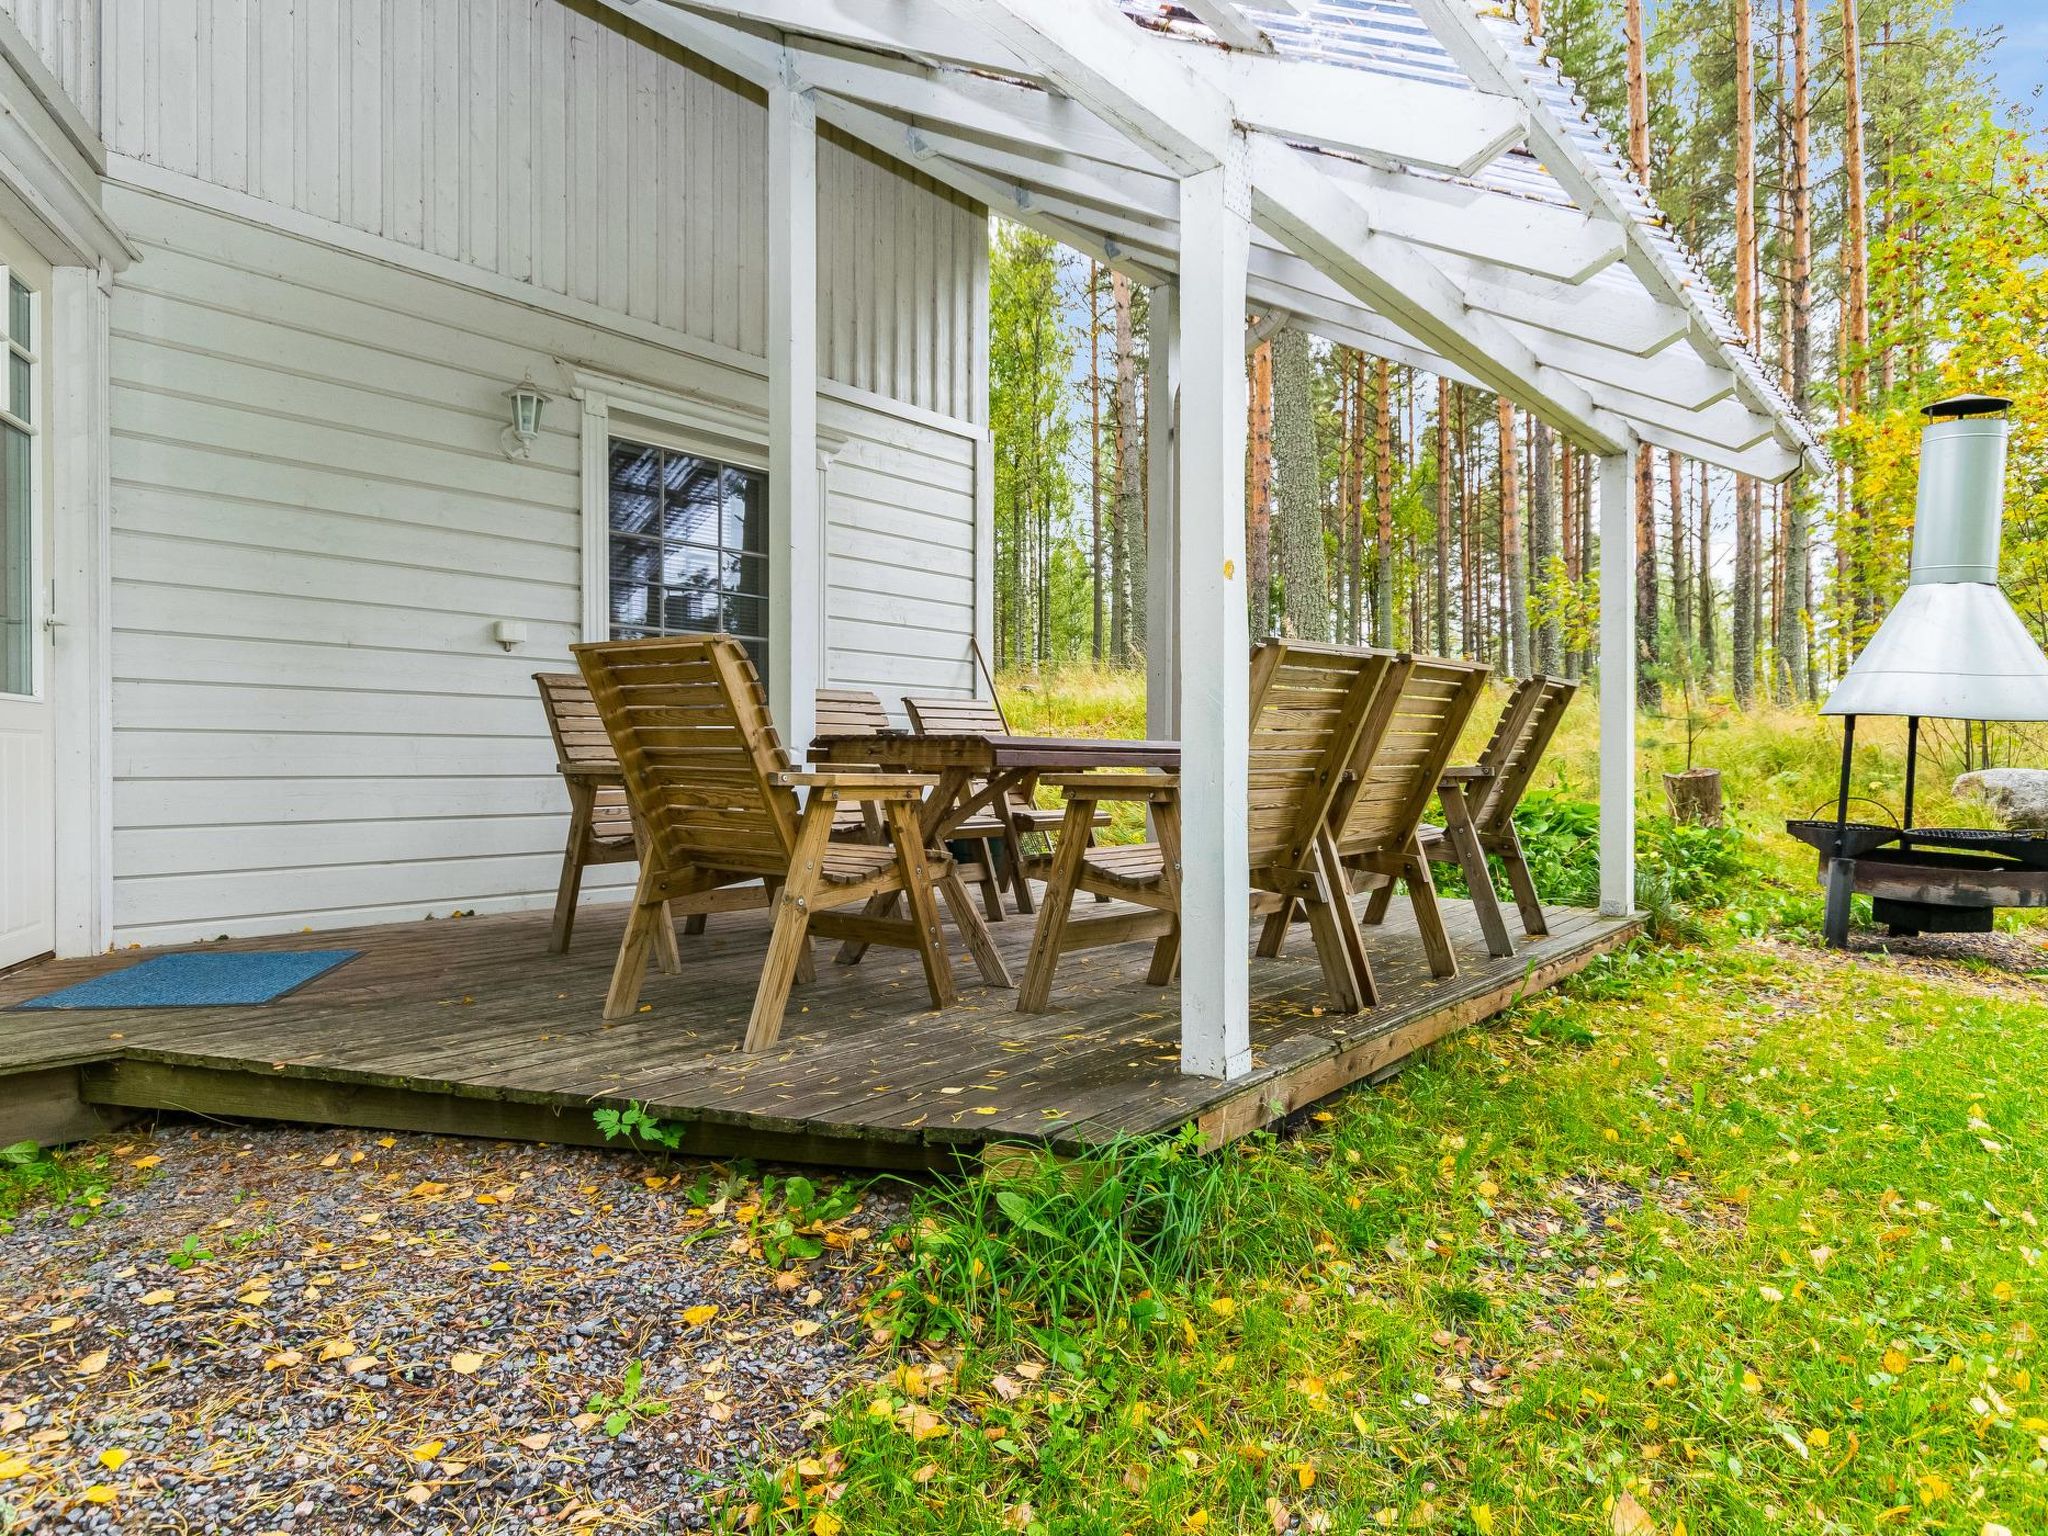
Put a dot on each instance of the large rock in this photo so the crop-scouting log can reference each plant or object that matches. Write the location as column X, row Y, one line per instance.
column 2018, row 797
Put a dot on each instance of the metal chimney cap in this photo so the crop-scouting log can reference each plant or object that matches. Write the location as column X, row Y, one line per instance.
column 1965, row 405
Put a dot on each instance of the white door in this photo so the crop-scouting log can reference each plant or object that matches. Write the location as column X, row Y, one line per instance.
column 28, row 924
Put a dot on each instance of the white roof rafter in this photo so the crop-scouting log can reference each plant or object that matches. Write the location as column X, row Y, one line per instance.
column 1395, row 209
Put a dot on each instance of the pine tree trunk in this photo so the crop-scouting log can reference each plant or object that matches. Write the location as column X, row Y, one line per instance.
column 1383, row 506
column 1354, row 500
column 1517, row 648
column 1127, row 527
column 1709, row 657
column 1543, row 543
column 1681, row 584
column 1743, row 659
column 1258, row 534
column 1298, row 541
column 1443, row 517
column 1095, row 541
column 1855, row 395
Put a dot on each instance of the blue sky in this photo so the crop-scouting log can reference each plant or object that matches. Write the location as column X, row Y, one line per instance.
column 2021, row 57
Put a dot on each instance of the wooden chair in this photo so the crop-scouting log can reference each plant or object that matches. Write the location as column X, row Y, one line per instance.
column 1311, row 709
column 1016, row 818
column 1479, row 807
column 600, row 822
column 859, row 712
column 1378, row 814
column 714, row 795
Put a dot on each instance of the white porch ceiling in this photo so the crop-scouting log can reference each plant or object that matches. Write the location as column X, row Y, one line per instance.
column 1427, row 186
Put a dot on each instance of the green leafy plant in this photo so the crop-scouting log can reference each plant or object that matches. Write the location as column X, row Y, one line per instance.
column 623, row 1408
column 789, row 1218
column 635, row 1124
column 189, row 1253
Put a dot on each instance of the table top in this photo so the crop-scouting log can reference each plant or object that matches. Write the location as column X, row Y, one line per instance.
column 996, row 753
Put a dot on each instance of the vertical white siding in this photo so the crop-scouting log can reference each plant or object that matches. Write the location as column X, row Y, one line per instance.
column 314, row 532
column 543, row 143
column 66, row 36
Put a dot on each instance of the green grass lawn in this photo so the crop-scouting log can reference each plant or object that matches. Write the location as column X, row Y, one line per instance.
column 1736, row 1237
column 1742, row 1238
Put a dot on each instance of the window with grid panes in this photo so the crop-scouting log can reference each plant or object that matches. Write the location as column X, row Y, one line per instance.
column 689, row 546
column 17, row 484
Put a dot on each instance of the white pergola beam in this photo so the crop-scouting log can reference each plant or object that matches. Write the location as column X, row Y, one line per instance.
column 1231, row 26
column 1315, row 218
column 1394, row 120
column 1516, row 233
column 1215, row 1017
column 1617, row 687
column 1605, row 315
column 1472, row 43
column 925, row 32
column 1089, row 51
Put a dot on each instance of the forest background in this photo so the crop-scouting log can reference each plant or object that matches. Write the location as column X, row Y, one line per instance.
column 1866, row 179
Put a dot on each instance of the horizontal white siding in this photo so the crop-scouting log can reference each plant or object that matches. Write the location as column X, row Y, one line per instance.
column 552, row 145
column 314, row 532
column 66, row 36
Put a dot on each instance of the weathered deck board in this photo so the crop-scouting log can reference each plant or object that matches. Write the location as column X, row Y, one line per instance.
column 468, row 1025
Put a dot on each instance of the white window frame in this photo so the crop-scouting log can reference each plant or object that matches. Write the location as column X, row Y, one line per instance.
column 688, row 423
column 39, row 575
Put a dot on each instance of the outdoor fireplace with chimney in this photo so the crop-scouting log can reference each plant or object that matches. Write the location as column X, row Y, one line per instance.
column 1951, row 648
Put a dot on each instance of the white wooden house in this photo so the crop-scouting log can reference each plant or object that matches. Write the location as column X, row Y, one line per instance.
column 277, row 573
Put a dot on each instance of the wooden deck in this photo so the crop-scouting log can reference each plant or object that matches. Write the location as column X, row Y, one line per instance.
column 469, row 1026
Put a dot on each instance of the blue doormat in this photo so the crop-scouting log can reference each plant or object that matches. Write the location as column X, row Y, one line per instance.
column 203, row 980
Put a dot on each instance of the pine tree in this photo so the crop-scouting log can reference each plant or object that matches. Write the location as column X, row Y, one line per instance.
column 1515, row 639
column 1743, row 657
column 1383, row 505
column 1298, row 522
column 1258, row 537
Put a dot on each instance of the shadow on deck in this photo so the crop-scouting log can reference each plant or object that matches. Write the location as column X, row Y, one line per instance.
column 468, row 1026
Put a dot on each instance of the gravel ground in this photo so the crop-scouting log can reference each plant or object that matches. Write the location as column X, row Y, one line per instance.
column 314, row 1330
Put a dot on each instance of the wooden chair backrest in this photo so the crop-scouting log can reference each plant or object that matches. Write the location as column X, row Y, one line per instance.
column 572, row 720
column 1530, row 718
column 580, row 739
column 1393, row 776
column 851, row 712
column 688, row 718
column 947, row 717
column 1309, row 706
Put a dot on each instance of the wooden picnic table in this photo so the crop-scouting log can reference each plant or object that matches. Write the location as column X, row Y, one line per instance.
column 974, row 769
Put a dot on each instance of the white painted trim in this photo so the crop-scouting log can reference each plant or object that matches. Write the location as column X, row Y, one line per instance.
column 53, row 186
column 796, row 501
column 1215, row 1008
column 140, row 176
column 1617, row 686
column 82, row 664
column 1162, row 514
column 610, row 406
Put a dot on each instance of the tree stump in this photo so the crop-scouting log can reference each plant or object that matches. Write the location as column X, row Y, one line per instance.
column 1694, row 796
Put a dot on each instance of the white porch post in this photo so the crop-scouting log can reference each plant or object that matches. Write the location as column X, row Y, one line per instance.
column 1162, row 516
column 1617, row 688
column 1215, row 243
column 796, row 534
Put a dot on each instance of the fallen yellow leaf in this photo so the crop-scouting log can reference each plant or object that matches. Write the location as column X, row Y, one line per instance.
column 99, row 1493
column 92, row 1364
column 465, row 1363
column 699, row 1315
column 146, row 1162
column 113, row 1458
column 803, row 1328
column 158, row 1298
column 1628, row 1518
column 13, row 1467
